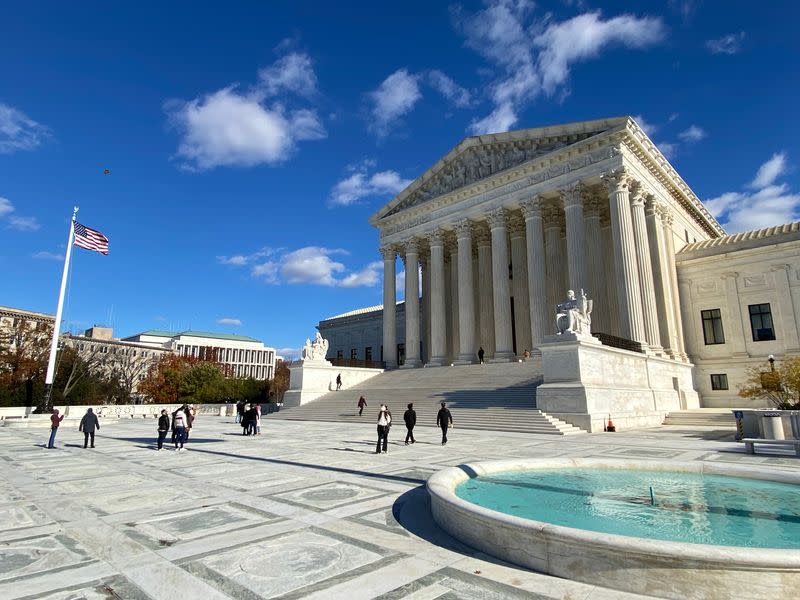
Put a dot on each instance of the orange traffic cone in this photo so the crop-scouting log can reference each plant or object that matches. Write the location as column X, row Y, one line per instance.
column 610, row 426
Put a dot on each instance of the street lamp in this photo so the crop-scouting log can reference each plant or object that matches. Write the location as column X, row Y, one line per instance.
column 771, row 360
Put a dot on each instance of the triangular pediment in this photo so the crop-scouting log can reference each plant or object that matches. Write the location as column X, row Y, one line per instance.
column 481, row 157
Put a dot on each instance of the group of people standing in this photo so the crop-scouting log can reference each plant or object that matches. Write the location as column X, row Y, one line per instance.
column 180, row 425
column 88, row 425
column 444, row 420
column 249, row 417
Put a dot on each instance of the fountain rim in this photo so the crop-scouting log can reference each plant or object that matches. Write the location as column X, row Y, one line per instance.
column 442, row 485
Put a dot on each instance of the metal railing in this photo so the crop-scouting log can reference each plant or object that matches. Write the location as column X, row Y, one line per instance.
column 618, row 342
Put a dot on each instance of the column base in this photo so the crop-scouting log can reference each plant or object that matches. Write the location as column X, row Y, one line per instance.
column 390, row 364
column 437, row 362
column 502, row 357
column 411, row 363
column 466, row 359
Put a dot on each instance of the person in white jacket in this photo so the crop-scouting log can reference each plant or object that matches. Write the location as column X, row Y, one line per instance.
column 384, row 423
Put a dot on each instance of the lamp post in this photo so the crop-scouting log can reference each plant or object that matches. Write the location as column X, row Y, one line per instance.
column 771, row 360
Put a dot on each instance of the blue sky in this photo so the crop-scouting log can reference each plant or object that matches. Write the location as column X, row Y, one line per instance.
column 249, row 142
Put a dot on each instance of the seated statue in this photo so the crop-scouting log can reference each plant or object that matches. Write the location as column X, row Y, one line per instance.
column 316, row 350
column 574, row 315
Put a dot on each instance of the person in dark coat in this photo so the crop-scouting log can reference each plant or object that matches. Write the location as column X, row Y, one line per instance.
column 163, row 428
column 88, row 424
column 480, row 354
column 384, row 423
column 362, row 403
column 338, row 382
column 239, row 411
column 410, row 417
column 444, row 420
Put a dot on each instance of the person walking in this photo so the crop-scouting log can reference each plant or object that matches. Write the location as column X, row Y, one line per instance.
column 362, row 404
column 190, row 412
column 480, row 354
column 258, row 419
column 179, row 428
column 338, row 382
column 239, row 411
column 55, row 421
column 89, row 423
column 444, row 420
column 384, row 423
column 163, row 428
column 410, row 417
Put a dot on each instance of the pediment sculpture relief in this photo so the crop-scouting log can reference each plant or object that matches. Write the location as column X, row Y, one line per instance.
column 479, row 163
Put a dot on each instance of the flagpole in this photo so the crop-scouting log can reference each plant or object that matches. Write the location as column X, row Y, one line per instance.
column 51, row 363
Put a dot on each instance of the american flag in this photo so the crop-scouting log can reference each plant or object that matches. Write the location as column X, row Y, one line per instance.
column 90, row 239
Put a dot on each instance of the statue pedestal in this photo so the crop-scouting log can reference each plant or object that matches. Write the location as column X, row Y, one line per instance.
column 309, row 380
column 585, row 382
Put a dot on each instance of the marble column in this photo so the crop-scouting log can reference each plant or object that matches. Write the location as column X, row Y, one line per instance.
column 519, row 285
column 607, row 239
column 455, row 313
column 483, row 239
column 425, row 315
column 438, row 348
column 466, row 308
column 594, row 260
column 787, row 319
column 663, row 290
column 412, row 305
column 389, row 305
column 669, row 238
column 537, row 273
column 641, row 239
column 629, row 296
column 556, row 291
column 503, row 342
column 572, row 199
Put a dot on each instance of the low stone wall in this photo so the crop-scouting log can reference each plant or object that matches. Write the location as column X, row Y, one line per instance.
column 309, row 381
column 644, row 566
column 585, row 382
column 21, row 416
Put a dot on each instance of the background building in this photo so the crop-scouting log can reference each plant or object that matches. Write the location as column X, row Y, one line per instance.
column 14, row 320
column 241, row 356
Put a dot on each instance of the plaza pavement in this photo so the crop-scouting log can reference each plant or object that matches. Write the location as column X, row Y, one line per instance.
column 307, row 510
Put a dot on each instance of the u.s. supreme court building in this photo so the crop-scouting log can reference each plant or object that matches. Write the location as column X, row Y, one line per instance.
column 504, row 224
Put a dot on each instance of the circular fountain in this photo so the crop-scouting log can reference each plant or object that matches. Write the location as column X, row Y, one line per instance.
column 668, row 529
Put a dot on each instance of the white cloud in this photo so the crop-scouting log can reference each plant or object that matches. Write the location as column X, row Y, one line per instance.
column 230, row 127
column 18, row 131
column 15, row 221
column 24, row 223
column 229, row 321
column 727, row 44
column 692, row 134
column 5, row 206
column 668, row 149
column 393, row 98
column 313, row 265
column 770, row 171
column 292, row 73
column 362, row 184
column 536, row 57
column 769, row 204
column 647, row 127
column 44, row 255
column 448, row 88
column 289, row 353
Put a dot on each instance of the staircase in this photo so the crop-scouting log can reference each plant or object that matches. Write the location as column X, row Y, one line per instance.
column 499, row 397
column 702, row 417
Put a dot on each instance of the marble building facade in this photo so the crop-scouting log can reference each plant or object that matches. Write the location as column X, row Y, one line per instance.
column 505, row 223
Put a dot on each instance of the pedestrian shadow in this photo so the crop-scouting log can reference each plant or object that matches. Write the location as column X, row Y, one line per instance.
column 352, row 450
column 152, row 440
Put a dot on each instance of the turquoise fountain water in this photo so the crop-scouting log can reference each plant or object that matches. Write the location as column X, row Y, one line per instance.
column 683, row 507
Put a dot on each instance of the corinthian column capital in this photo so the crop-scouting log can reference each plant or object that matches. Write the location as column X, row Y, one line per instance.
column 638, row 193
column 572, row 195
column 411, row 246
column 463, row 228
column 497, row 218
column 532, row 207
column 435, row 237
column 389, row 252
column 617, row 180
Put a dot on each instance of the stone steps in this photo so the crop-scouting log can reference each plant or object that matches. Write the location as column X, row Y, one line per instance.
column 703, row 417
column 500, row 397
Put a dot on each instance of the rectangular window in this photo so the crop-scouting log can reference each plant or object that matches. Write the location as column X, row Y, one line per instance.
column 712, row 327
column 719, row 381
column 339, row 354
column 368, row 353
column 761, row 322
column 353, row 353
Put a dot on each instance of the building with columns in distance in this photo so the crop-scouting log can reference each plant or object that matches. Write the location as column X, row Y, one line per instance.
column 504, row 224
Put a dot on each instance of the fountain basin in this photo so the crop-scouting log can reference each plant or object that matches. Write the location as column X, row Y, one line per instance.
column 658, row 567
